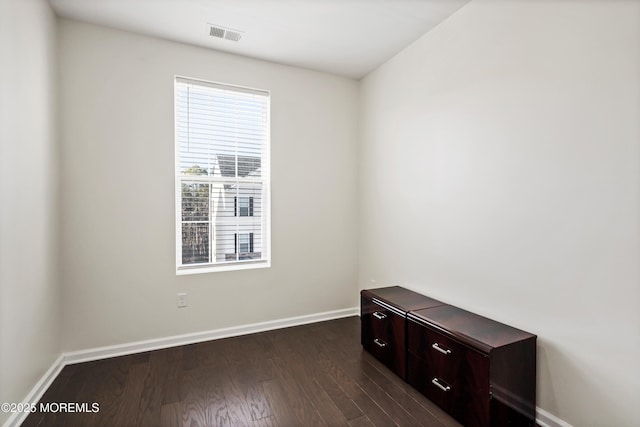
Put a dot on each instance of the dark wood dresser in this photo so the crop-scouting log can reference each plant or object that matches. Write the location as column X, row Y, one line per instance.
column 481, row 372
column 383, row 313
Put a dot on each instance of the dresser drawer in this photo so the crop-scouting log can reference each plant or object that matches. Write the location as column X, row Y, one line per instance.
column 383, row 334
column 426, row 380
column 451, row 374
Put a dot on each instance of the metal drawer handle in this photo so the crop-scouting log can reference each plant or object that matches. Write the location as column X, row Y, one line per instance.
column 442, row 350
column 380, row 342
column 436, row 382
column 379, row 315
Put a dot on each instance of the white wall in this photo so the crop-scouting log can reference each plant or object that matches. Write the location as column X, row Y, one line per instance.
column 29, row 286
column 118, row 200
column 500, row 172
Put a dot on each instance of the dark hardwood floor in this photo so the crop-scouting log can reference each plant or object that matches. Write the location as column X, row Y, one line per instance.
column 311, row 375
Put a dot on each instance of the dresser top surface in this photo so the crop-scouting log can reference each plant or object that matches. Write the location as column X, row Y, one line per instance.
column 402, row 298
column 473, row 329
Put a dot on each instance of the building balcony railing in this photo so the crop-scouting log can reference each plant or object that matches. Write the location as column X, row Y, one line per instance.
column 243, row 256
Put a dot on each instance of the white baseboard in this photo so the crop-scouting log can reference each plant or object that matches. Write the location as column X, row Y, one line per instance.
column 155, row 344
column 196, row 337
column 36, row 392
column 545, row 419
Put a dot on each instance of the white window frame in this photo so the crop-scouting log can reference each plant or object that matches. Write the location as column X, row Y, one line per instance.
column 265, row 181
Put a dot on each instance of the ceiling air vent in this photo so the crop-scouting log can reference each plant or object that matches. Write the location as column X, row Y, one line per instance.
column 224, row 33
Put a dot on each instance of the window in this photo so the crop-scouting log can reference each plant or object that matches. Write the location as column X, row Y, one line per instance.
column 244, row 244
column 245, row 204
column 222, row 177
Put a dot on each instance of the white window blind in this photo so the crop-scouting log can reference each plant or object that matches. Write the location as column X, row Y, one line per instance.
column 222, row 177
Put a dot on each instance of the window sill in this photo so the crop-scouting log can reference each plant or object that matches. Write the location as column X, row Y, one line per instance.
column 183, row 271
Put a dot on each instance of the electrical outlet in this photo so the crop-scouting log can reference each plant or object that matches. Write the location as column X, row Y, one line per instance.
column 182, row 300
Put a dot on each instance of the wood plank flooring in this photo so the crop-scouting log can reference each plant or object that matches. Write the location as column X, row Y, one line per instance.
column 311, row 375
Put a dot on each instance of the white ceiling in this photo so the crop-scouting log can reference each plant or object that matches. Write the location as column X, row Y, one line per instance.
column 345, row 37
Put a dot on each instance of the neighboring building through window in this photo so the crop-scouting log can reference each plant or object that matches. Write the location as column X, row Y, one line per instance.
column 222, row 177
